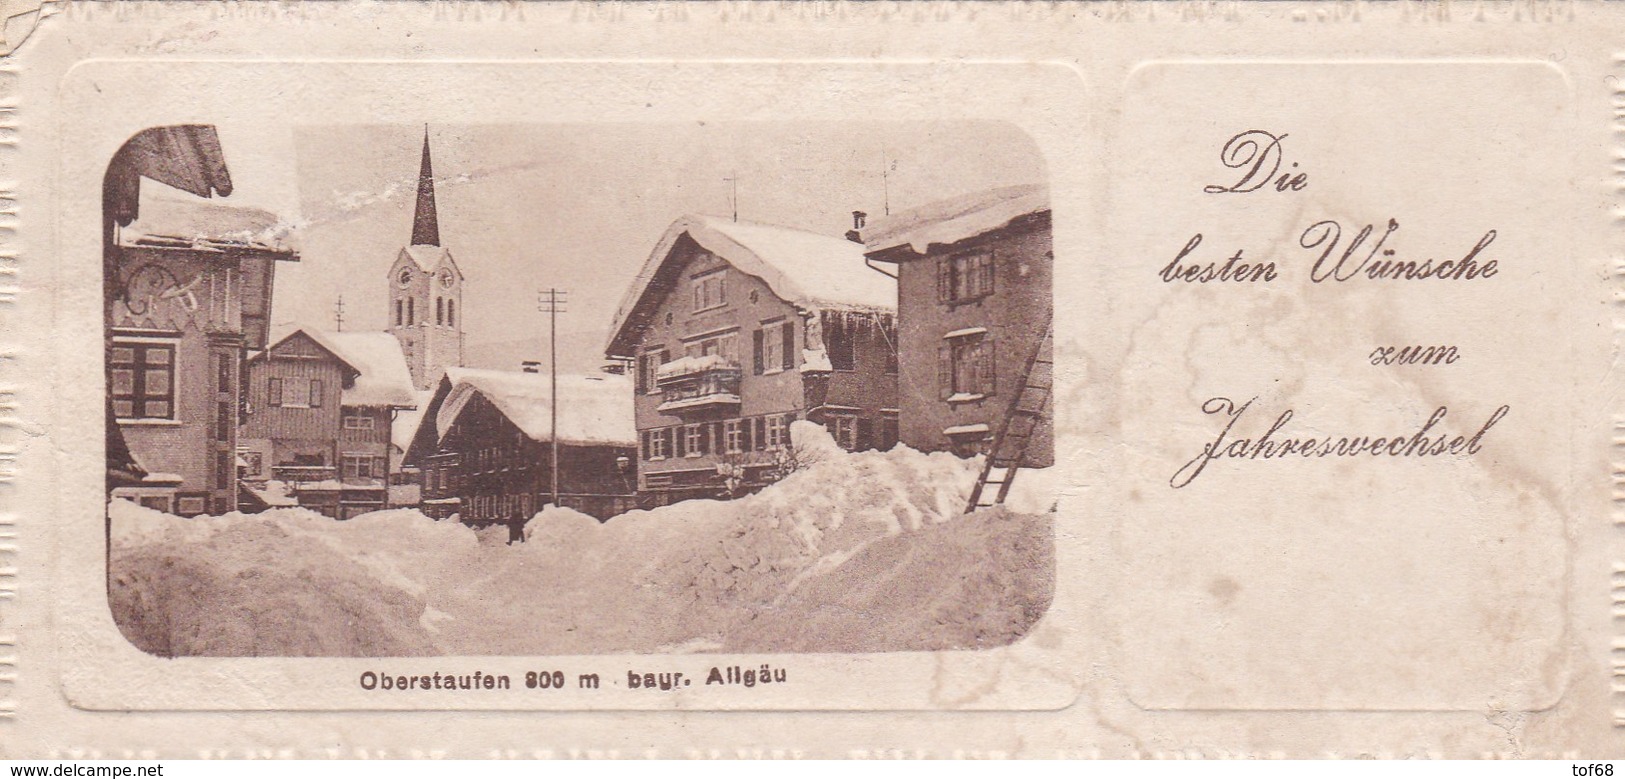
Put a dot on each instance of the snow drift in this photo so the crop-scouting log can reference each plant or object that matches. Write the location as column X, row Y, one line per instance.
column 853, row 552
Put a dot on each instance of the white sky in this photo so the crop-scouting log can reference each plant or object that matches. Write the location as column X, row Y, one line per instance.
column 576, row 206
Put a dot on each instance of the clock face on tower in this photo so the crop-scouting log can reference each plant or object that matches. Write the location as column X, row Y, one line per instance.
column 405, row 278
column 446, row 278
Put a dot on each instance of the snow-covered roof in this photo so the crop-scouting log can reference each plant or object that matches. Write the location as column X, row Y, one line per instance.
column 955, row 219
column 407, row 421
column 382, row 378
column 385, row 380
column 428, row 258
column 273, row 494
column 810, row 270
column 178, row 221
column 593, row 410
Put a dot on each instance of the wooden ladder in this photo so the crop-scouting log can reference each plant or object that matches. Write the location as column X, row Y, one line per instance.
column 1021, row 420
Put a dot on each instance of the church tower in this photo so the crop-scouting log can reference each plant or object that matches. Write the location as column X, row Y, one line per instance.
column 426, row 292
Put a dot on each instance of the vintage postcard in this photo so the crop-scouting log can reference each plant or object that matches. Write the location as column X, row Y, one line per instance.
column 715, row 379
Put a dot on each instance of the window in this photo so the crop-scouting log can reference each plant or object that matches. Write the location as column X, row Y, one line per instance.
column 733, row 437
column 648, row 369
column 411, row 314
column 191, row 505
column 711, row 290
column 155, row 502
column 439, row 310
column 773, row 348
column 965, row 277
column 451, row 313
column 352, row 422
column 224, row 421
column 845, row 431
column 359, row 466
column 694, row 440
column 399, row 308
column 965, row 367
column 839, row 337
column 143, row 380
column 724, row 345
column 295, row 393
column 654, row 447
column 776, row 434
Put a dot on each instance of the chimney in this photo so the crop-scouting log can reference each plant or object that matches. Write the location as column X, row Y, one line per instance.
column 858, row 219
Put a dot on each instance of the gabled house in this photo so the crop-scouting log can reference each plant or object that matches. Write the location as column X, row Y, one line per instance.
column 484, row 446
column 188, row 290
column 733, row 331
column 973, row 304
column 319, row 410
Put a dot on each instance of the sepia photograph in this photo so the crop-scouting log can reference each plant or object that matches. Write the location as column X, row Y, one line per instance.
column 397, row 390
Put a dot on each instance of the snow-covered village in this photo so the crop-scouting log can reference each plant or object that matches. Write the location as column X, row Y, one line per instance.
column 421, row 390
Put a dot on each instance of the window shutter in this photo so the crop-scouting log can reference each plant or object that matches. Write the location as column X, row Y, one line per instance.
column 866, row 434
column 639, row 380
column 275, row 392
column 945, row 371
column 748, row 432
column 705, row 439
column 987, row 273
column 756, row 349
column 989, row 366
column 315, row 393
column 679, row 442
column 789, row 345
column 944, row 280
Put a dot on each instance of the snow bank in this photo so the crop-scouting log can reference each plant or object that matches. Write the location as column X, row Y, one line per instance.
column 287, row 582
column 869, row 547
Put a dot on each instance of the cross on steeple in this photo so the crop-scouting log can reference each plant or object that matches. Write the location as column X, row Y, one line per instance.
column 425, row 223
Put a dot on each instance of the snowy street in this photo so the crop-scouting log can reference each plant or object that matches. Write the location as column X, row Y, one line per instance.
column 856, row 552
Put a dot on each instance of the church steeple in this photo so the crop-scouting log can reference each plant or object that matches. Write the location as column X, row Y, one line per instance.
column 425, row 223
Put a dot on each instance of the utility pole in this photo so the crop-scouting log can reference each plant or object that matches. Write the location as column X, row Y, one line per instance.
column 733, row 194
column 338, row 313
column 551, row 301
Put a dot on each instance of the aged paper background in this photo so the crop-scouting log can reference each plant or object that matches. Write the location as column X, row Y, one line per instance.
column 1453, row 607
